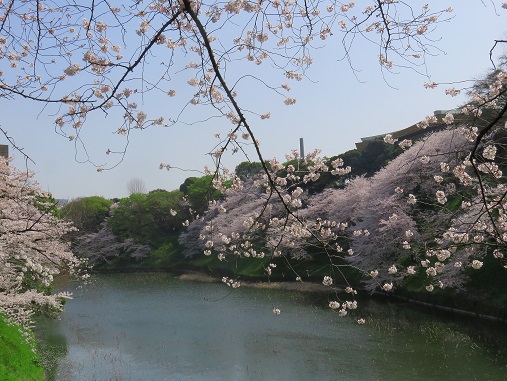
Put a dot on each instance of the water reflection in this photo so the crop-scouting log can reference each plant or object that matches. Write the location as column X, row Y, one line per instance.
column 155, row 327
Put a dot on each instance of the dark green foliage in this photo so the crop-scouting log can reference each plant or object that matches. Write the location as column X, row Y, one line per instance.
column 371, row 159
column 199, row 192
column 488, row 284
column 147, row 218
column 248, row 169
column 454, row 203
column 87, row 213
column 367, row 162
column 188, row 181
column 168, row 255
column 159, row 204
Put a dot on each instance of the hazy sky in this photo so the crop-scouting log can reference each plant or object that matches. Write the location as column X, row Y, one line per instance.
column 334, row 110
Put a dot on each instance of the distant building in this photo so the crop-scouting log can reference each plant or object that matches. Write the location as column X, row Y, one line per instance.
column 61, row 202
column 414, row 131
column 4, row 150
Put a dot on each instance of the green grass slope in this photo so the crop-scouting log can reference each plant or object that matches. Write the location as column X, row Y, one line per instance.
column 17, row 361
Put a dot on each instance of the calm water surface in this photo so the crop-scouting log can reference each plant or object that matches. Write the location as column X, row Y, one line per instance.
column 156, row 327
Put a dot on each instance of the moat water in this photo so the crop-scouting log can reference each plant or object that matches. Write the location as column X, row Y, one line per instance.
column 155, row 327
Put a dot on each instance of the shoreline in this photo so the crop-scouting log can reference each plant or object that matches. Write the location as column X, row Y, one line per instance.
column 309, row 287
column 499, row 316
column 286, row 286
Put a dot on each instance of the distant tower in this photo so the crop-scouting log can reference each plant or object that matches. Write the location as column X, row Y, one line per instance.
column 4, row 150
column 301, row 148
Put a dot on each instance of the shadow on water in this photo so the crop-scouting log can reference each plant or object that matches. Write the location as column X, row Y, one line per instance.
column 51, row 346
column 392, row 316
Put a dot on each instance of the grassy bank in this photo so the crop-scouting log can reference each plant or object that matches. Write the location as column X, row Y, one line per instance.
column 17, row 361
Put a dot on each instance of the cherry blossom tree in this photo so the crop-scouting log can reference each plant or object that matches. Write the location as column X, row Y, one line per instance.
column 32, row 248
column 422, row 215
column 402, row 211
column 104, row 246
column 473, row 181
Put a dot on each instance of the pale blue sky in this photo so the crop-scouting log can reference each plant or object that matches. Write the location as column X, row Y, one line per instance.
column 333, row 111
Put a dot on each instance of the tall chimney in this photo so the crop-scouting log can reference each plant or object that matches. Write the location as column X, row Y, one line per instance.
column 301, row 148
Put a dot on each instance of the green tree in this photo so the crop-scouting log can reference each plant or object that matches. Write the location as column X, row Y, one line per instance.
column 130, row 218
column 199, row 192
column 376, row 155
column 370, row 160
column 188, row 181
column 247, row 169
column 148, row 218
column 87, row 213
column 167, row 209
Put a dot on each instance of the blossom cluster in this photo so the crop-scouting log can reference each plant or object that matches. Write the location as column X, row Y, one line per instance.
column 88, row 65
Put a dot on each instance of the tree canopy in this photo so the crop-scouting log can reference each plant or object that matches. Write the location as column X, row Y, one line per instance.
column 200, row 191
column 87, row 213
column 149, row 217
column 248, row 169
